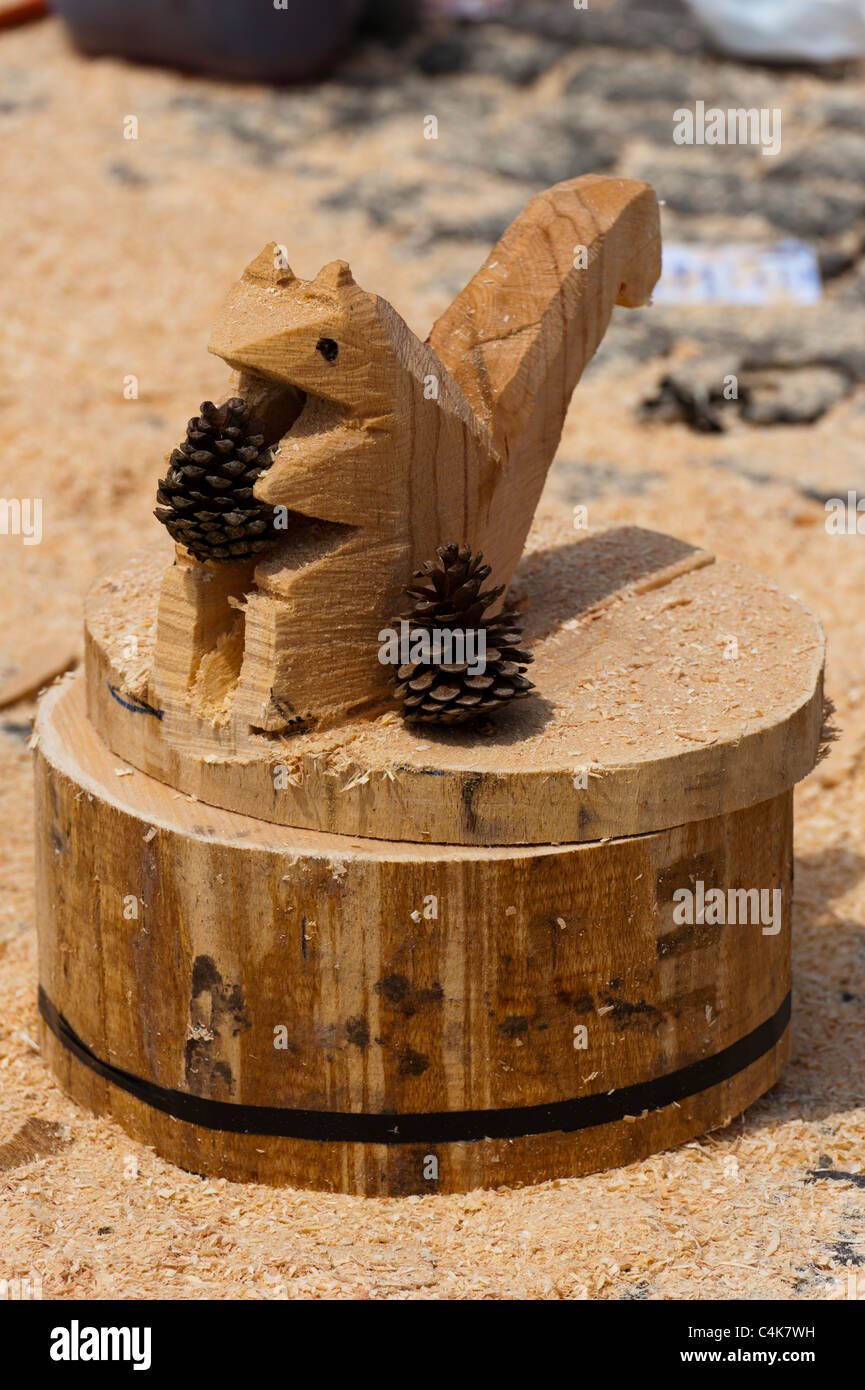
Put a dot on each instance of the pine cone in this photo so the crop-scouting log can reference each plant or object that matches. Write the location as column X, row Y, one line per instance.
column 207, row 498
column 449, row 595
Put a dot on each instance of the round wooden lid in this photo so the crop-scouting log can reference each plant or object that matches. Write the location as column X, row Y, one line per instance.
column 672, row 686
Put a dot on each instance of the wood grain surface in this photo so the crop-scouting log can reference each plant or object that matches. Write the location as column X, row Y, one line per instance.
column 178, row 941
column 670, row 688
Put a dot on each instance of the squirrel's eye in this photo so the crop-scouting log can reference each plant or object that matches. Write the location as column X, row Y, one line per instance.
column 328, row 349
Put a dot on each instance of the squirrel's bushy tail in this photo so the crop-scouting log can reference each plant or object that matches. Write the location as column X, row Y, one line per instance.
column 518, row 337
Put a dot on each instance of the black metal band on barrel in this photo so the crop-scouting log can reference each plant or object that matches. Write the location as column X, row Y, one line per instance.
column 437, row 1127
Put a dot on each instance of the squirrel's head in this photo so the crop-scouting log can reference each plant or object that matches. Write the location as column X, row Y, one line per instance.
column 324, row 337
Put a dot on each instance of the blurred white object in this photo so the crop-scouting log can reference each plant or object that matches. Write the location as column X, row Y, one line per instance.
column 738, row 273
column 468, row 9
column 818, row 31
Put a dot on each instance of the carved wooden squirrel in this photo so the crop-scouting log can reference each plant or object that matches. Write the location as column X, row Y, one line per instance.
column 389, row 447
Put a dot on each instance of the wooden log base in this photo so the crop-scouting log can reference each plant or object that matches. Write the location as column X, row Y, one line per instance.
column 671, row 687
column 391, row 1018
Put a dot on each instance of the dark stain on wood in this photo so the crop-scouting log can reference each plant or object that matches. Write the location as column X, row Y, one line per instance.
column 412, row 1063
column 468, row 787
column 580, row 1003
column 401, row 994
column 357, row 1032
column 689, row 938
column 514, row 1026
column 629, row 1015
column 216, row 1013
column 685, row 873
column 409, row 1061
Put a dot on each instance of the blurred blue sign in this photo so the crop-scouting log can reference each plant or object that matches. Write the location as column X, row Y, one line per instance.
column 739, row 273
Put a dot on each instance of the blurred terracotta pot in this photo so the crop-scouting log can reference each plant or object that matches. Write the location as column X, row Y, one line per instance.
column 253, row 39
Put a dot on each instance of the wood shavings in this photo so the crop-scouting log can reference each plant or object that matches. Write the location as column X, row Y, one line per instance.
column 359, row 781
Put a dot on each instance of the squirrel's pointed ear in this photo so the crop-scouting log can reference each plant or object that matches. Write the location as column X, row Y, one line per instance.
column 270, row 267
column 334, row 276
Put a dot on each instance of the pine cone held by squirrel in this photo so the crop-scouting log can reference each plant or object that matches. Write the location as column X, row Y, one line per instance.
column 449, row 596
column 207, row 496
